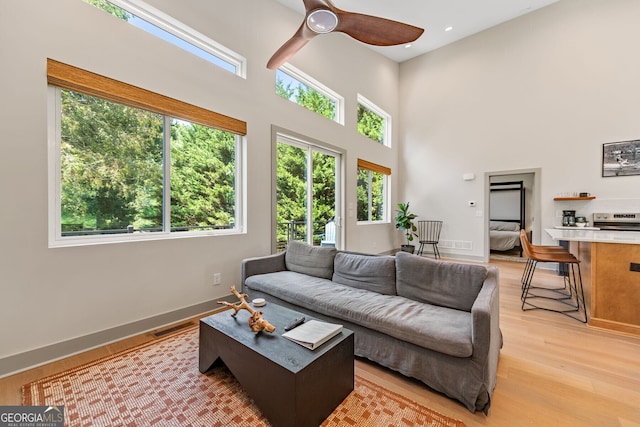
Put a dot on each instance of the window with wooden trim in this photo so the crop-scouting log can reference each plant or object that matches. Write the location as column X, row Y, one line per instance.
column 372, row 192
column 130, row 164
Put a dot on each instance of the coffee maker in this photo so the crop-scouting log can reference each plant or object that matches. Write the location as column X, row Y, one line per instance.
column 569, row 218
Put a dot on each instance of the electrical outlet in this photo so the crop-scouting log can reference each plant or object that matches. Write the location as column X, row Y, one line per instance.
column 217, row 278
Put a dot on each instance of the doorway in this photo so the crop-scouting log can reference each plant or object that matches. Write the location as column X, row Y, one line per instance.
column 307, row 192
column 512, row 202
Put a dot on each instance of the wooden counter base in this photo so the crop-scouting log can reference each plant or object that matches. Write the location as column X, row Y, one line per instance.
column 615, row 290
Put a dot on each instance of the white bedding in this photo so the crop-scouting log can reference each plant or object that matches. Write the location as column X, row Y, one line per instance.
column 503, row 236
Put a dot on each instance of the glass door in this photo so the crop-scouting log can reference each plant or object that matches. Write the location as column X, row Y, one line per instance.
column 307, row 178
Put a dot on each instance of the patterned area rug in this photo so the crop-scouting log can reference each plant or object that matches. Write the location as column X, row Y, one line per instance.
column 158, row 384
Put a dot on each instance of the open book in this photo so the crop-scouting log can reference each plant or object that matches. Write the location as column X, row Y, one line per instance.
column 313, row 333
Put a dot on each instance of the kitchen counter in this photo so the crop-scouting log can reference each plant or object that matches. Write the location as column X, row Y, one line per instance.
column 575, row 234
column 611, row 273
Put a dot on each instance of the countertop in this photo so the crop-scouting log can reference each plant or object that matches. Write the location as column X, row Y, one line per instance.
column 597, row 236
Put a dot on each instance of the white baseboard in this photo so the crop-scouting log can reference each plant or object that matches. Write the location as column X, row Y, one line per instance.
column 30, row 359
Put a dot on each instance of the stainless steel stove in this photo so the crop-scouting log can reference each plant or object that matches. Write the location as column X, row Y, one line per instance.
column 617, row 221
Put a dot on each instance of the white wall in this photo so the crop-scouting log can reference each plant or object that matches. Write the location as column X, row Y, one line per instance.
column 544, row 91
column 50, row 296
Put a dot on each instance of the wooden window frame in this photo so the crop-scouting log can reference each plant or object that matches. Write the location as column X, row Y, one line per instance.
column 384, row 170
column 67, row 77
column 73, row 78
column 364, row 164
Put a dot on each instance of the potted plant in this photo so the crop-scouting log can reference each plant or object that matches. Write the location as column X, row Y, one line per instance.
column 404, row 223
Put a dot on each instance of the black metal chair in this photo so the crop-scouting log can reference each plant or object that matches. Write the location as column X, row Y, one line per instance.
column 429, row 234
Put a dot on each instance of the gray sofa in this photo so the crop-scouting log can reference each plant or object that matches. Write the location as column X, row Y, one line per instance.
column 435, row 321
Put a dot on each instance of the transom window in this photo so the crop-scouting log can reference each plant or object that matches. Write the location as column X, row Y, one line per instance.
column 373, row 122
column 299, row 88
column 163, row 26
column 372, row 192
column 126, row 163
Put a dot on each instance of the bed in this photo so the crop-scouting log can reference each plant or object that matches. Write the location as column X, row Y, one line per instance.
column 507, row 215
column 503, row 235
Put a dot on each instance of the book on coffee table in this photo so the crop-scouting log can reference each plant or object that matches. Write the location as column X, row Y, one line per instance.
column 313, row 334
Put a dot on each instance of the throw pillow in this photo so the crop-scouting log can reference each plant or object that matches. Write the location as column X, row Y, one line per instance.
column 369, row 272
column 311, row 260
column 443, row 283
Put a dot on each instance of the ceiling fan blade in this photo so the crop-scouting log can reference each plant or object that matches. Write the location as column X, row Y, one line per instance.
column 291, row 46
column 375, row 30
column 310, row 5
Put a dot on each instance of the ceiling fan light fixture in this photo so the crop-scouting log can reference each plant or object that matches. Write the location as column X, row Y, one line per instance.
column 322, row 21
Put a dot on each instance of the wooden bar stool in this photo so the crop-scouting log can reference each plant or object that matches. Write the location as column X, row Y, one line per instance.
column 568, row 300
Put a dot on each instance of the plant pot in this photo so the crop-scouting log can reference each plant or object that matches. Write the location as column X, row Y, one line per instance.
column 408, row 248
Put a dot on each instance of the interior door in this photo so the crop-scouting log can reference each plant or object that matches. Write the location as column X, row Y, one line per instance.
column 306, row 188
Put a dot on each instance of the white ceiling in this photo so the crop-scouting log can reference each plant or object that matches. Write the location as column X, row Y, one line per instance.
column 467, row 17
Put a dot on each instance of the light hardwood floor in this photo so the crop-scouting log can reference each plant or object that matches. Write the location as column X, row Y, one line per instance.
column 553, row 371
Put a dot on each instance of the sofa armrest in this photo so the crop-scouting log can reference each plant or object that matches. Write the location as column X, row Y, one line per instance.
column 262, row 265
column 485, row 314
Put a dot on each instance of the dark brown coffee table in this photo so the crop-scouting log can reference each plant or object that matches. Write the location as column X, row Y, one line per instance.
column 292, row 385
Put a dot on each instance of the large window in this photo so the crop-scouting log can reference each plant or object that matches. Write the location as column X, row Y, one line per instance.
column 126, row 163
column 163, row 26
column 372, row 192
column 297, row 87
column 373, row 122
column 307, row 192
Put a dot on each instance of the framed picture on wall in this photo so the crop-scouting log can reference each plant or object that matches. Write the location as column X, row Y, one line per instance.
column 621, row 158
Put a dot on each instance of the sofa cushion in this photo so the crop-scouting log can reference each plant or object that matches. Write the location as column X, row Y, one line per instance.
column 448, row 284
column 429, row 326
column 312, row 260
column 369, row 272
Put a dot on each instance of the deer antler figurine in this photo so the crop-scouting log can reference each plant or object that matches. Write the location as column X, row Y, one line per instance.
column 256, row 322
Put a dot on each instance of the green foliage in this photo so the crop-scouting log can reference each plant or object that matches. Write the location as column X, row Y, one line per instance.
column 324, row 190
column 377, row 196
column 110, row 8
column 291, row 187
column 404, row 221
column 112, row 169
column 291, row 170
column 370, row 195
column 303, row 95
column 291, row 179
column 202, row 176
column 291, row 183
column 111, row 164
column 370, row 124
column 362, row 196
